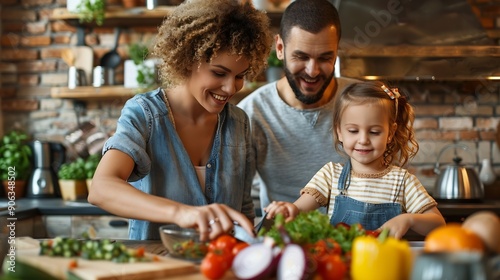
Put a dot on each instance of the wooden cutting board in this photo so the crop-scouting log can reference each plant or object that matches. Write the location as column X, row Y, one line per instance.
column 28, row 249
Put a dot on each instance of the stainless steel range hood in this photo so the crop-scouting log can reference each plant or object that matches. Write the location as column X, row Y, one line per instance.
column 415, row 40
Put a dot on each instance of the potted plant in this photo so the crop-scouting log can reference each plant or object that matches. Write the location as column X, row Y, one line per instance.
column 15, row 163
column 91, row 10
column 72, row 178
column 90, row 166
column 139, row 71
column 274, row 69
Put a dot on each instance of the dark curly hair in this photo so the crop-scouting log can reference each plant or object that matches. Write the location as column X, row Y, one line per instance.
column 197, row 30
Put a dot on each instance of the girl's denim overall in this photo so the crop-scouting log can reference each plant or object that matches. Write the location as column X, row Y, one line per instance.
column 351, row 211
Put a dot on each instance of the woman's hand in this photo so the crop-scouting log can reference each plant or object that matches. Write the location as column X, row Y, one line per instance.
column 212, row 220
column 289, row 210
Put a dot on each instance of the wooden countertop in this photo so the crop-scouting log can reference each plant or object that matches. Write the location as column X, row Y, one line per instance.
column 26, row 245
column 156, row 247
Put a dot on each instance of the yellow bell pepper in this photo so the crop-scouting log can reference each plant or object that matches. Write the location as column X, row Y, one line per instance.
column 384, row 258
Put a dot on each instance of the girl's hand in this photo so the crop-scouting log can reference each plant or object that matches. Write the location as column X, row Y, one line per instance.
column 212, row 220
column 398, row 226
column 289, row 210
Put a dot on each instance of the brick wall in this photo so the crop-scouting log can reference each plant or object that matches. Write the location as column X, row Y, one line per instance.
column 30, row 64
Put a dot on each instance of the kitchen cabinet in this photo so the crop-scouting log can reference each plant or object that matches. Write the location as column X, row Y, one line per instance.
column 420, row 63
column 104, row 226
column 422, row 51
column 121, row 17
column 51, row 217
column 29, row 226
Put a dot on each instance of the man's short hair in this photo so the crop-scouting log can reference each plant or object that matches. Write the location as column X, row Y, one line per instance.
column 309, row 15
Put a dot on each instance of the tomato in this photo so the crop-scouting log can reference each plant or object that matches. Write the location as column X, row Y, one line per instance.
column 452, row 237
column 343, row 225
column 72, row 264
column 374, row 233
column 332, row 267
column 214, row 265
column 332, row 246
column 224, row 242
column 140, row 252
column 316, row 250
column 238, row 247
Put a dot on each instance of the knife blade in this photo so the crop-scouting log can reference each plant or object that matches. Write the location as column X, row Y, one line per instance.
column 241, row 234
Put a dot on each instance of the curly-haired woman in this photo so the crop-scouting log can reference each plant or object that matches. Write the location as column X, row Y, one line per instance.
column 181, row 153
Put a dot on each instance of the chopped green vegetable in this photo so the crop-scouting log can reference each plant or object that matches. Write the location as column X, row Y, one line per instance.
column 190, row 249
column 309, row 227
column 89, row 249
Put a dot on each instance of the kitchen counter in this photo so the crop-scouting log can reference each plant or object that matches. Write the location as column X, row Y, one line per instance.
column 453, row 211
column 157, row 248
column 28, row 246
column 461, row 208
column 57, row 206
column 29, row 207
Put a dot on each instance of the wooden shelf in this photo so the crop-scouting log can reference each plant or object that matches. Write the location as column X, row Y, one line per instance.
column 117, row 92
column 140, row 16
column 118, row 16
column 93, row 93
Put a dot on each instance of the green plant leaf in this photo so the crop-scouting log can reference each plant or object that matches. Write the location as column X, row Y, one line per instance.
column 15, row 155
column 92, row 10
column 273, row 61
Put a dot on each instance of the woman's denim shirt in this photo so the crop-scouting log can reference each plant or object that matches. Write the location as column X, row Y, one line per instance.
column 163, row 167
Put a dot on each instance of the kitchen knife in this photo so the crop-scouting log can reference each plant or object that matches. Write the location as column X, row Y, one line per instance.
column 241, row 234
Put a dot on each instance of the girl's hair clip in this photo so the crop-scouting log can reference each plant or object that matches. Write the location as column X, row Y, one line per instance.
column 393, row 93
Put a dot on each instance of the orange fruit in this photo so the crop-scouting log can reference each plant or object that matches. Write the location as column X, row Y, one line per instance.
column 453, row 238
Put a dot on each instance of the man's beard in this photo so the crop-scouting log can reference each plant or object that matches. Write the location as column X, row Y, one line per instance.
column 299, row 95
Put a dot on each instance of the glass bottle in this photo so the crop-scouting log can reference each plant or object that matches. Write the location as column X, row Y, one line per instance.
column 487, row 175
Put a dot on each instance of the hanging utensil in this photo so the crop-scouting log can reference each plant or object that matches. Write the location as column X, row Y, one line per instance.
column 112, row 58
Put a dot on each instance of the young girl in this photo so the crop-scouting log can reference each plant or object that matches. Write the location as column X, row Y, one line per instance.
column 373, row 125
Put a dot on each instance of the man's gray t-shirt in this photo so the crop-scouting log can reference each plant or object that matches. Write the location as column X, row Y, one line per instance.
column 290, row 144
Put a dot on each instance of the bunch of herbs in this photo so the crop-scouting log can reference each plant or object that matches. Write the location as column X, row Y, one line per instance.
column 15, row 154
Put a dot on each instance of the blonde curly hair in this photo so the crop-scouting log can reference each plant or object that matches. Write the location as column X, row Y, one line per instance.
column 197, row 30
